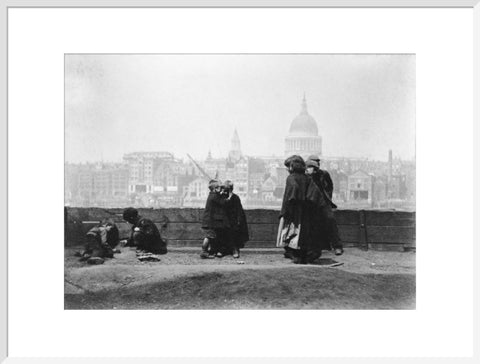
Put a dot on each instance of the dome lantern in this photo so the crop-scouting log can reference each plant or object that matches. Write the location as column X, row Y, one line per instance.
column 304, row 124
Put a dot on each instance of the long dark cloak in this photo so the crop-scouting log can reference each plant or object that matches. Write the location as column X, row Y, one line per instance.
column 324, row 182
column 325, row 231
column 300, row 200
column 238, row 222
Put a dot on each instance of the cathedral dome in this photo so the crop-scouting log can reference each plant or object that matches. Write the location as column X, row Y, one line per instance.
column 303, row 138
column 304, row 124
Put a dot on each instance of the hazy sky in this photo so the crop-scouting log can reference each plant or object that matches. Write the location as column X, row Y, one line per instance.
column 364, row 105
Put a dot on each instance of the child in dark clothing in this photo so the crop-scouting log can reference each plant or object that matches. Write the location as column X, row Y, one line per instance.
column 238, row 221
column 215, row 221
column 100, row 241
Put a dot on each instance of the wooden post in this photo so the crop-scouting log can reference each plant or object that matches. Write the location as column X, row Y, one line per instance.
column 363, row 230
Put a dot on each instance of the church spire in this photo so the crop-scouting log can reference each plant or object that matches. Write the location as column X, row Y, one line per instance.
column 235, row 142
column 235, row 150
column 235, row 138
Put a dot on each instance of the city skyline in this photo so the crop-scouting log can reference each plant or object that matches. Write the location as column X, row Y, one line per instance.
column 120, row 159
column 364, row 105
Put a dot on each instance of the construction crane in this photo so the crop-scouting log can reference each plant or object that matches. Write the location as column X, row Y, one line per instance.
column 199, row 168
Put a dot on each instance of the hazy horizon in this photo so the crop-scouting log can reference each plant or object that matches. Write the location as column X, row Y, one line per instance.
column 186, row 159
column 364, row 105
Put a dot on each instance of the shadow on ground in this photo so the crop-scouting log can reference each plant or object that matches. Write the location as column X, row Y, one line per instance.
column 265, row 280
column 294, row 288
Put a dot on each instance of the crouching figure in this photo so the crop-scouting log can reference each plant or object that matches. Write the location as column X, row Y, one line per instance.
column 100, row 242
column 145, row 235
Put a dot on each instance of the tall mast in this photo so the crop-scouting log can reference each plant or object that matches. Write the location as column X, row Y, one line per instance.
column 199, row 168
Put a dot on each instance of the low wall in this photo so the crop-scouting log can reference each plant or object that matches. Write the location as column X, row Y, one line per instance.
column 369, row 229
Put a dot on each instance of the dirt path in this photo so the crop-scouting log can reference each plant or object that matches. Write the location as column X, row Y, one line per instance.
column 125, row 271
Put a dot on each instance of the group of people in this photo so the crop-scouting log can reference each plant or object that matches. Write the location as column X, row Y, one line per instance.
column 307, row 224
column 102, row 239
column 224, row 222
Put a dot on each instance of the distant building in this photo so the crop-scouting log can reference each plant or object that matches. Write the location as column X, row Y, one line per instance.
column 303, row 138
column 256, row 175
column 397, row 187
column 96, row 184
column 379, row 194
column 141, row 166
column 166, row 174
column 236, row 168
column 235, row 152
column 85, row 193
column 340, row 185
column 110, row 181
column 71, row 182
column 158, row 179
column 360, row 187
column 238, row 174
column 214, row 167
column 268, row 189
column 196, row 192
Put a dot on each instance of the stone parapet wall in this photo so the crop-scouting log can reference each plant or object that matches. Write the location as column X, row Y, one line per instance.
column 372, row 229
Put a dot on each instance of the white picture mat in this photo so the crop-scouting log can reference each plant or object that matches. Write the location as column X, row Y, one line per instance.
column 442, row 324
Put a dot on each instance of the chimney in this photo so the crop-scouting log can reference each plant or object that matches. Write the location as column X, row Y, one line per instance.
column 390, row 163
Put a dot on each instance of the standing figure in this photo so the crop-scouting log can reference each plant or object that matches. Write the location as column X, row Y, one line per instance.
column 238, row 220
column 326, row 227
column 297, row 214
column 215, row 223
column 145, row 235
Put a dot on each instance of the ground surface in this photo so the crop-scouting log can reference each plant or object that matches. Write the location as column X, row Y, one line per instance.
column 264, row 280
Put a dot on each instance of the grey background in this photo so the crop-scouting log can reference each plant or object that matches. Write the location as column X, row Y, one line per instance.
column 364, row 104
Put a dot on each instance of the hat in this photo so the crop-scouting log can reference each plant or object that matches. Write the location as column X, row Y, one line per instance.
column 213, row 183
column 293, row 158
column 312, row 163
column 314, row 157
column 295, row 164
column 129, row 213
column 228, row 185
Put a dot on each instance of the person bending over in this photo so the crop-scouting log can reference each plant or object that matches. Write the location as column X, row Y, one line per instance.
column 215, row 223
column 145, row 235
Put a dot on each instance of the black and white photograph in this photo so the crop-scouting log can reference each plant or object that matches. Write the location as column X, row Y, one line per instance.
column 275, row 181
column 240, row 181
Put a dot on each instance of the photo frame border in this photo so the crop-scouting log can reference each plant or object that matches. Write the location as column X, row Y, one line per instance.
column 6, row 5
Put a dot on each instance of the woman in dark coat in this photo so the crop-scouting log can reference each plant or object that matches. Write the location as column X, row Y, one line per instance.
column 238, row 220
column 326, row 230
column 298, row 209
